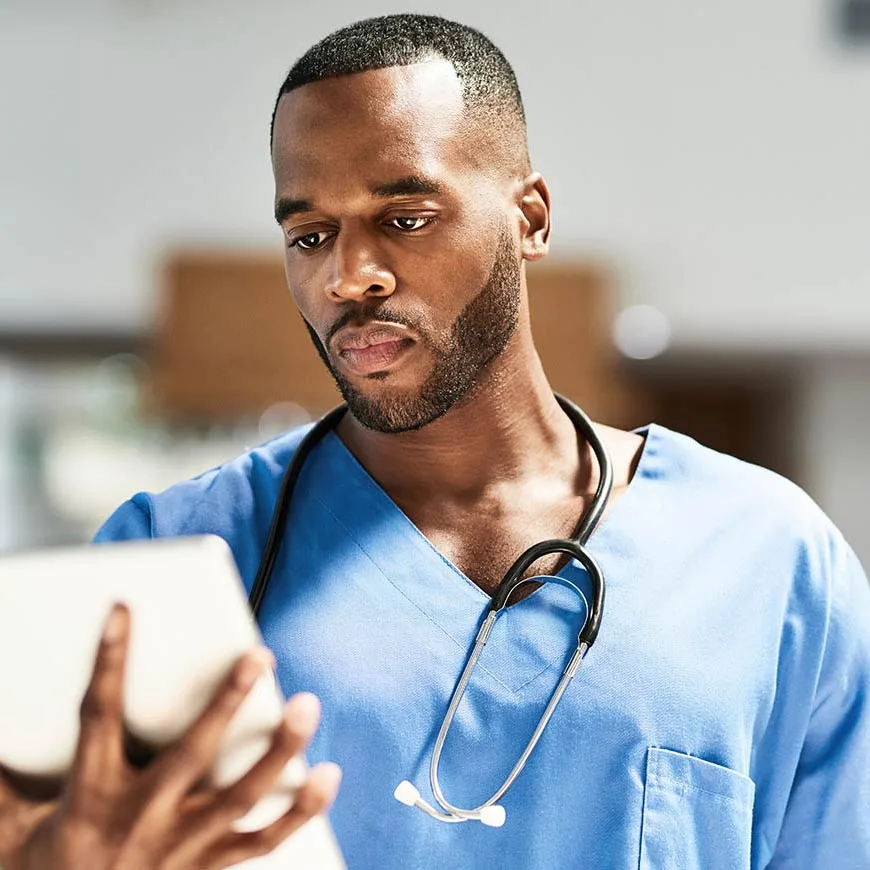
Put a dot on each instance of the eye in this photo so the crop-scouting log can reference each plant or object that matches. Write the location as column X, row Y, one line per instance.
column 308, row 242
column 410, row 224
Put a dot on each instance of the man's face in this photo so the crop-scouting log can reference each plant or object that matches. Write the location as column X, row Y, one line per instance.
column 400, row 253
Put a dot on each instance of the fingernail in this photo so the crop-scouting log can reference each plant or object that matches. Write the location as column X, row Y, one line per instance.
column 303, row 712
column 330, row 776
column 116, row 624
column 268, row 656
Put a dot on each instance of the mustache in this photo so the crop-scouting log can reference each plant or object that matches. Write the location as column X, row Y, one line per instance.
column 362, row 316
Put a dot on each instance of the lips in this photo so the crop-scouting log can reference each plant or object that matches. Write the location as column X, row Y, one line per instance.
column 373, row 347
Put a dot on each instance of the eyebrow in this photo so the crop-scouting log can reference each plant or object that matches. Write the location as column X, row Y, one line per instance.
column 286, row 208
column 410, row 185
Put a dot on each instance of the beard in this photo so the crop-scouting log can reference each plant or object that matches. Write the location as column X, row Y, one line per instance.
column 478, row 335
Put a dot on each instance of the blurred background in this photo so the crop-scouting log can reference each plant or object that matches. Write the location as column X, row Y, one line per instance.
column 710, row 169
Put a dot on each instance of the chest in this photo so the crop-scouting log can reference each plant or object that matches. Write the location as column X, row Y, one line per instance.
column 484, row 542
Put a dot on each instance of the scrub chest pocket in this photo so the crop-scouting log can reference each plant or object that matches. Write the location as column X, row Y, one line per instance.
column 696, row 815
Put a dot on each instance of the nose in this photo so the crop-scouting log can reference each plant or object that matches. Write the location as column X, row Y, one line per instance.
column 358, row 271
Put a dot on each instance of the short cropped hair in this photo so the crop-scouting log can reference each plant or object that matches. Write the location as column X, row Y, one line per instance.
column 489, row 86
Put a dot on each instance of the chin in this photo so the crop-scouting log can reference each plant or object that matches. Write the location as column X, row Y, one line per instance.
column 389, row 411
column 377, row 392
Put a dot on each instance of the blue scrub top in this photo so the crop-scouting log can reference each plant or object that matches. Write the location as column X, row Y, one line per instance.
column 720, row 722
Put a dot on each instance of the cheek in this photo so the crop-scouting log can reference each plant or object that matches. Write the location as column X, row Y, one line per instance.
column 458, row 278
column 304, row 292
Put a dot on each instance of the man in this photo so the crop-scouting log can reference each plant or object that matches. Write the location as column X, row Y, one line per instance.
column 722, row 719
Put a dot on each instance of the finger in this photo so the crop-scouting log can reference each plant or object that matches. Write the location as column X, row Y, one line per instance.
column 100, row 750
column 18, row 816
column 313, row 798
column 187, row 761
column 9, row 799
column 300, row 721
column 6, row 793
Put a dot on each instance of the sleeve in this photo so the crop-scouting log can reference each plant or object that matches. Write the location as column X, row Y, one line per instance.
column 827, row 818
column 131, row 521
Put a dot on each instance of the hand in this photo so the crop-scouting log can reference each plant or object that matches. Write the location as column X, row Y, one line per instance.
column 111, row 816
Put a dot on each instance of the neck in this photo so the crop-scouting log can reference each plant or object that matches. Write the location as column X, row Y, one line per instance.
column 508, row 430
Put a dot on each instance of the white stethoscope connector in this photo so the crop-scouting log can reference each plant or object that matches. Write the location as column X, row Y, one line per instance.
column 493, row 816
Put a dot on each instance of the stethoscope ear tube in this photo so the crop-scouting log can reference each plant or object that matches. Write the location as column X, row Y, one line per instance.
column 589, row 633
column 321, row 428
column 514, row 579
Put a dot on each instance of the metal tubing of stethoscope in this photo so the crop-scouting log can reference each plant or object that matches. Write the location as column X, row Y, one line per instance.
column 567, row 676
column 441, row 817
column 455, row 813
column 480, row 642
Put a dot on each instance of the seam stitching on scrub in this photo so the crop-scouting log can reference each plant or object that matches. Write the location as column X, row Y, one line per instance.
column 146, row 511
column 428, row 616
column 664, row 780
column 382, row 495
column 530, row 679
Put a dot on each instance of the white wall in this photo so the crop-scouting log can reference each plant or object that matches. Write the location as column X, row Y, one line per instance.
column 716, row 152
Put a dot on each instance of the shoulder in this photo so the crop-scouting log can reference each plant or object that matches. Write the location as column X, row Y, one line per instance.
column 755, row 517
column 731, row 489
column 234, row 500
column 709, row 505
column 782, row 552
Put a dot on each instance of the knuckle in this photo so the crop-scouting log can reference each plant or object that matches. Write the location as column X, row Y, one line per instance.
column 235, row 803
column 175, row 764
column 76, row 827
column 285, row 740
column 83, row 803
column 110, row 655
column 264, row 841
column 93, row 707
column 220, row 709
column 308, row 803
column 183, row 757
column 77, row 840
column 227, row 702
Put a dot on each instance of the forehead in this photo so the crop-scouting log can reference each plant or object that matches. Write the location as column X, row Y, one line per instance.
column 371, row 126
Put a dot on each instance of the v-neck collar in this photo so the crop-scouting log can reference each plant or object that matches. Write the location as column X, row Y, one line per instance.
column 536, row 632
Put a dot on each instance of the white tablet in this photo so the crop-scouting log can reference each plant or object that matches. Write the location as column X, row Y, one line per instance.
column 190, row 623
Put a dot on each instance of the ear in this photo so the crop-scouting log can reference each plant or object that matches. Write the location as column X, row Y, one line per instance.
column 534, row 203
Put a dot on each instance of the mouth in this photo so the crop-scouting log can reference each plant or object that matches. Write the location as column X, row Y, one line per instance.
column 372, row 348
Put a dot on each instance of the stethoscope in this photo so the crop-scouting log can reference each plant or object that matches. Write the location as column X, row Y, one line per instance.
column 489, row 812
